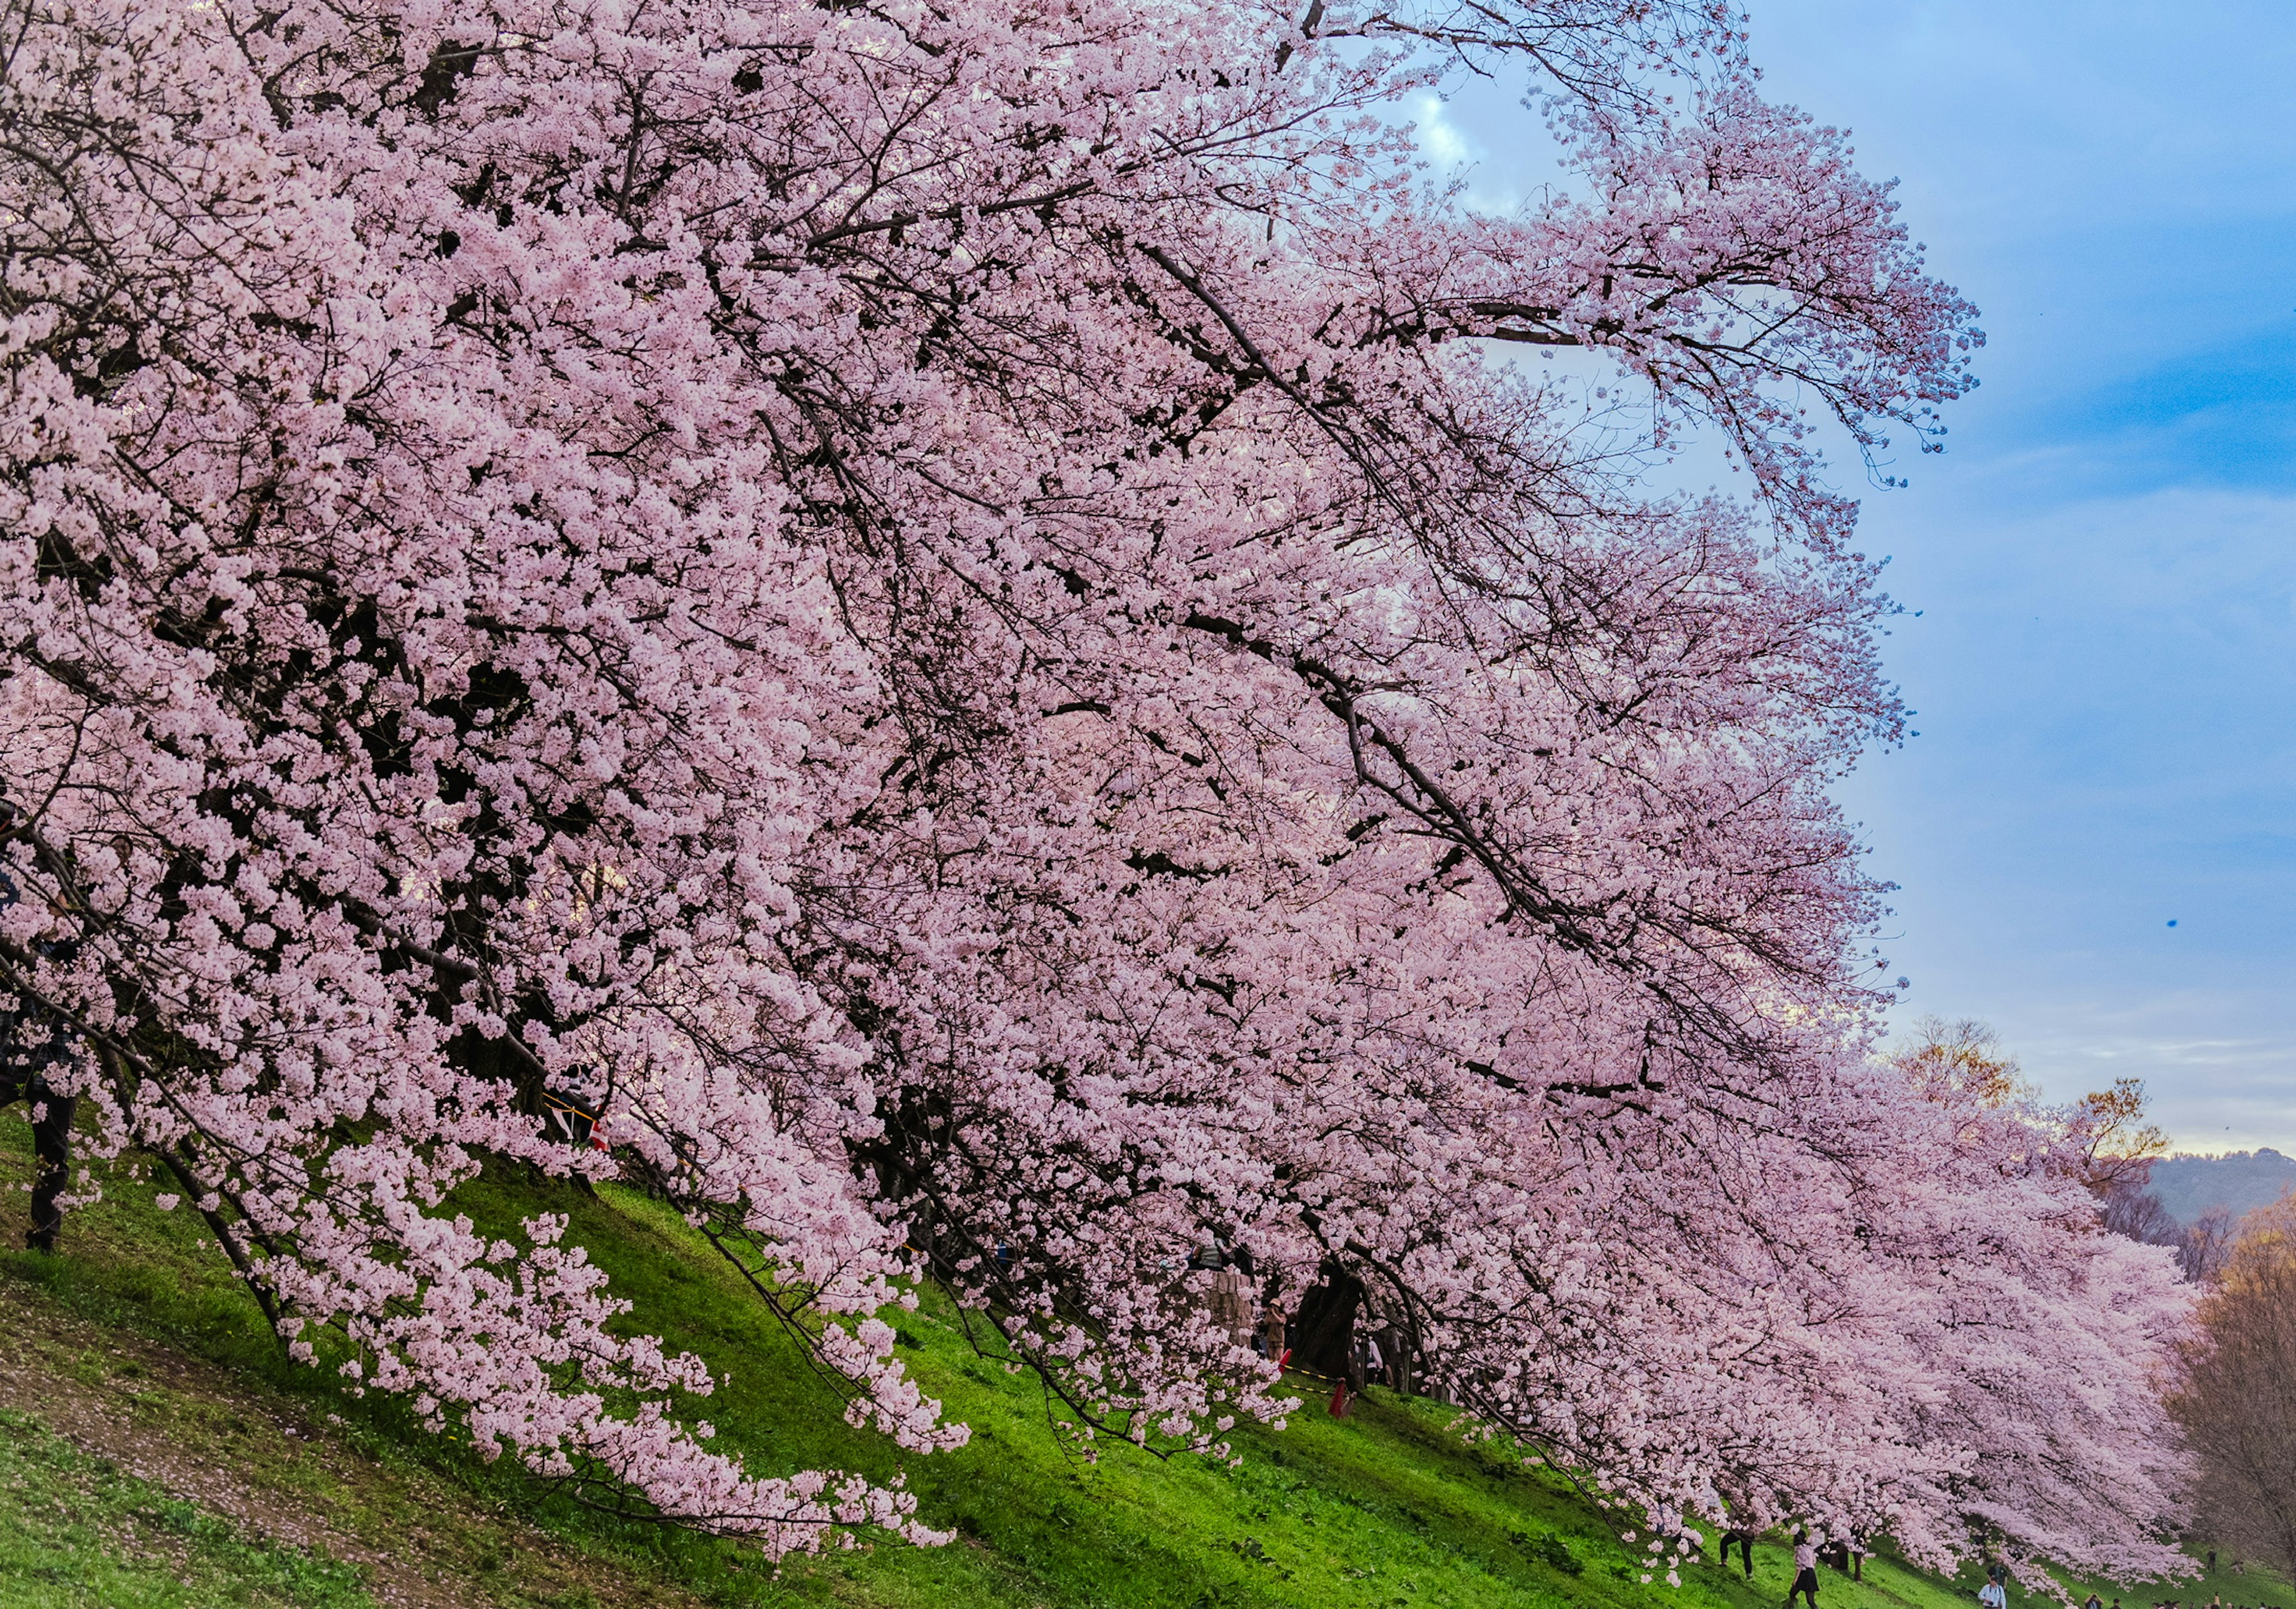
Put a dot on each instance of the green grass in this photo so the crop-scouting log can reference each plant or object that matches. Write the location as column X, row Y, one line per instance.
column 1388, row 1509
column 74, row 1531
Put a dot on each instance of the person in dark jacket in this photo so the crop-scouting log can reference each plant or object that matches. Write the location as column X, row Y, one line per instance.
column 33, row 1044
column 1323, row 1333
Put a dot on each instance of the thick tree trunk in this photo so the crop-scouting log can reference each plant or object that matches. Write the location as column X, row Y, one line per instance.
column 52, row 1129
column 53, row 1114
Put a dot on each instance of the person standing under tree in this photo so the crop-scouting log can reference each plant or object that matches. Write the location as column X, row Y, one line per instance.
column 34, row 1044
column 1271, row 1331
column 1323, row 1333
column 1228, row 1300
column 1744, row 1539
column 1805, row 1581
column 1371, row 1363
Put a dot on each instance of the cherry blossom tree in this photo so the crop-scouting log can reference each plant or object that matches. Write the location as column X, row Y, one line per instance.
column 975, row 643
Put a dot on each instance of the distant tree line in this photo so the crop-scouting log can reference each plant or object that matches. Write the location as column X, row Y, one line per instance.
column 2234, row 1390
column 2237, row 1396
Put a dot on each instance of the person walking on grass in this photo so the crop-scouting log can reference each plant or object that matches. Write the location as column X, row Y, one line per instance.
column 1805, row 1581
column 1993, row 1594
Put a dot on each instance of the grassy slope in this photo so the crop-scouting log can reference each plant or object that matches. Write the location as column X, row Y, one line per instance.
column 75, row 1529
column 1385, row 1510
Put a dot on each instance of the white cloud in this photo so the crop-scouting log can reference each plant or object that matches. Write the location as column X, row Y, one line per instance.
column 1444, row 143
column 1457, row 154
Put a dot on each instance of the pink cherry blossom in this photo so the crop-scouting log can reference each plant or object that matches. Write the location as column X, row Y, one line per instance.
column 971, row 641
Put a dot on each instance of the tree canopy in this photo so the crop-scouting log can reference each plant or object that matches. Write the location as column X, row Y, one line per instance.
column 969, row 639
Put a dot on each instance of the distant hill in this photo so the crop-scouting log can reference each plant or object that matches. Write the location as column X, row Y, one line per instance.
column 2239, row 1182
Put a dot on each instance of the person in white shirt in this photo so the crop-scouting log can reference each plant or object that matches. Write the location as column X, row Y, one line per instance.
column 1993, row 1594
column 1805, row 1581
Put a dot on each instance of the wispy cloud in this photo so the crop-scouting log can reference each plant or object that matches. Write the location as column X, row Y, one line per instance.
column 2211, row 1090
column 1444, row 143
column 1456, row 153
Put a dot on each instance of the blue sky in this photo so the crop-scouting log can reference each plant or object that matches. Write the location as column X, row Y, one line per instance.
column 2104, row 559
